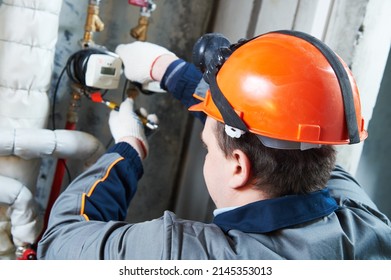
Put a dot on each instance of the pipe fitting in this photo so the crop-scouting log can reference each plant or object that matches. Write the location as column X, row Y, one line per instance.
column 140, row 31
column 74, row 107
column 93, row 24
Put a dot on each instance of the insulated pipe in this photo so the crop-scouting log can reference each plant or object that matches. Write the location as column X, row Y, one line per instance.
column 70, row 126
column 28, row 35
column 16, row 203
column 17, row 206
column 31, row 143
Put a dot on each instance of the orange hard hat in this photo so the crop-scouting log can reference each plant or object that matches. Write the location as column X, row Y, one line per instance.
column 289, row 89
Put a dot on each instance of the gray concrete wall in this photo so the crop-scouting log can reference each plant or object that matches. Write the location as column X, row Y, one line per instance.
column 373, row 170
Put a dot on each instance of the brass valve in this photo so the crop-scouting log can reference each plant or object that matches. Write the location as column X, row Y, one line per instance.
column 93, row 24
column 140, row 31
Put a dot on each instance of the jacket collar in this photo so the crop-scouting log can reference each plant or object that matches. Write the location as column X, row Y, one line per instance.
column 277, row 213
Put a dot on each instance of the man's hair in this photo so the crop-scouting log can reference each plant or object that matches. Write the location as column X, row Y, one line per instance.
column 281, row 172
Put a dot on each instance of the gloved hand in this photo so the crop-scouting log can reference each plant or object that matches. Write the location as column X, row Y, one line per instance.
column 139, row 59
column 125, row 123
column 150, row 121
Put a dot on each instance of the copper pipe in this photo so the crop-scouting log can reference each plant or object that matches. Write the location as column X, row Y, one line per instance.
column 74, row 105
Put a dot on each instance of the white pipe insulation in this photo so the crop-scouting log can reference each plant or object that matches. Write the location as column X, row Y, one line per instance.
column 30, row 143
column 28, row 37
column 21, row 210
column 18, row 209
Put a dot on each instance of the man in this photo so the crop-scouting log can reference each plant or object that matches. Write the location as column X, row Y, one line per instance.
column 276, row 106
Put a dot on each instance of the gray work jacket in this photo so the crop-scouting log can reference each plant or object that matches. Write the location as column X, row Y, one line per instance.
column 86, row 222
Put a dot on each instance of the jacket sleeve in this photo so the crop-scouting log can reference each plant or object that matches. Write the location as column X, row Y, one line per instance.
column 99, row 195
column 182, row 79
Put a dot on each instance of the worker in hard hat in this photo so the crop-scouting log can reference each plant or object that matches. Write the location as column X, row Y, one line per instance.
column 273, row 107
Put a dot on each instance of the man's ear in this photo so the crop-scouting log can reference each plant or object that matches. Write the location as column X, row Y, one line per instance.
column 241, row 169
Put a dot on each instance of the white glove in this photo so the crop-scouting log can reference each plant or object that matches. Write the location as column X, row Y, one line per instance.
column 126, row 123
column 151, row 121
column 139, row 58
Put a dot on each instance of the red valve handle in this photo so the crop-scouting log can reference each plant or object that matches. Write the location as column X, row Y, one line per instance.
column 140, row 3
column 28, row 254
